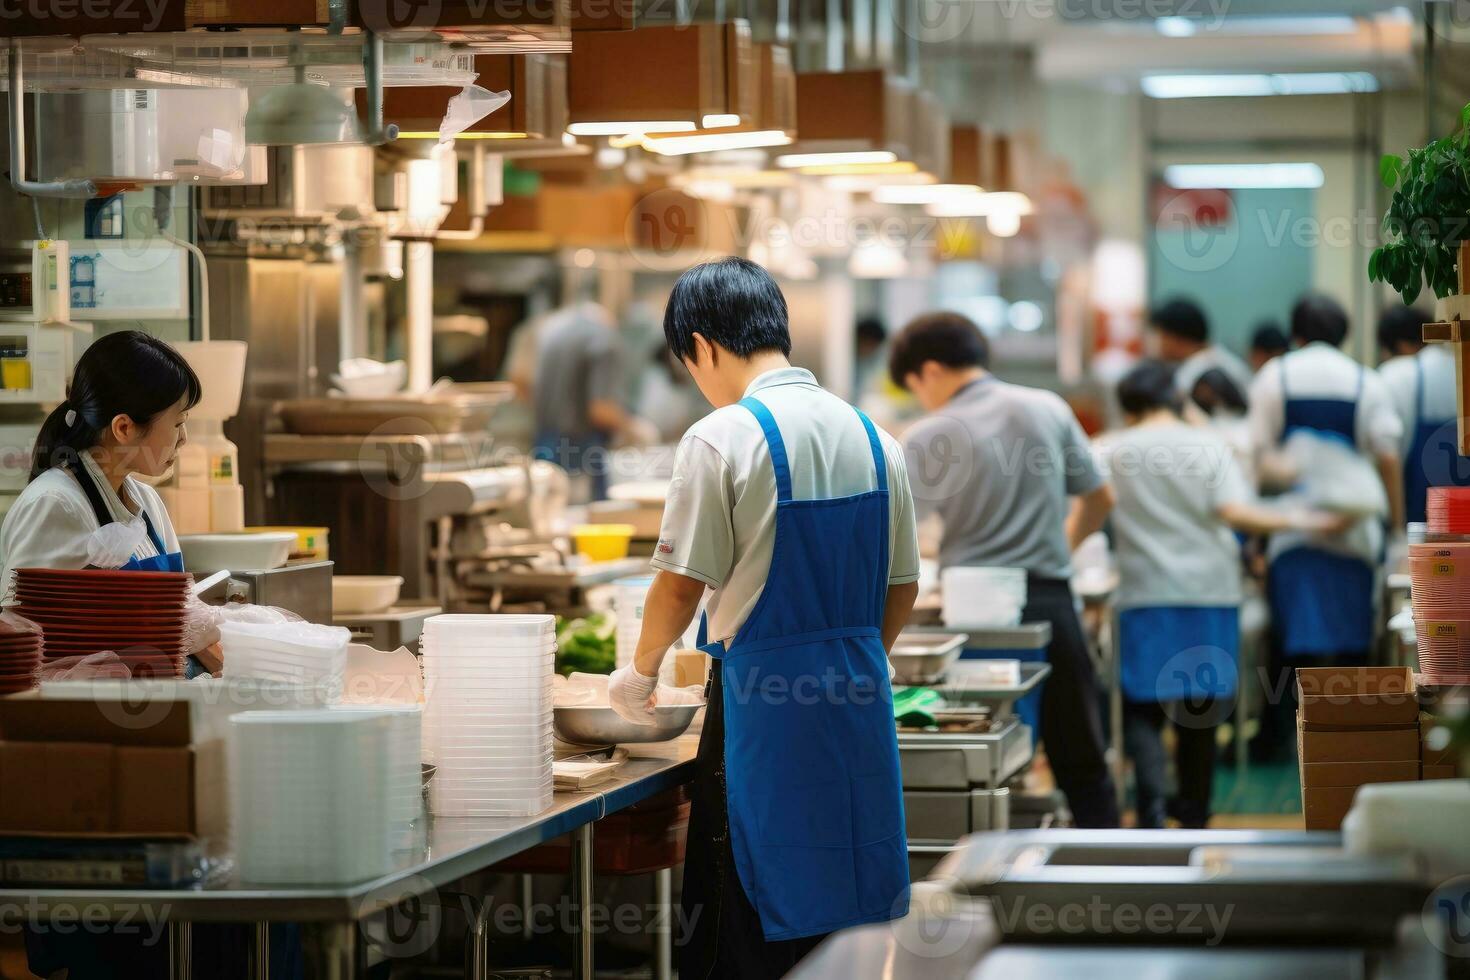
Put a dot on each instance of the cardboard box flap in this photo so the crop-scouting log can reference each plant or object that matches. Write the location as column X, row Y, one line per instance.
column 153, row 723
column 1353, row 681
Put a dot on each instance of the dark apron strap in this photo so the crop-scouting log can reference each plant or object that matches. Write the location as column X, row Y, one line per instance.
column 99, row 507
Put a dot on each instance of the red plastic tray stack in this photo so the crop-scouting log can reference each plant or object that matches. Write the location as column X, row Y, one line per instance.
column 20, row 653
column 1440, row 570
column 137, row 615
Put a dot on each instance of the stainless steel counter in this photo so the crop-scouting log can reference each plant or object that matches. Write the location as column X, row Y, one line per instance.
column 439, row 852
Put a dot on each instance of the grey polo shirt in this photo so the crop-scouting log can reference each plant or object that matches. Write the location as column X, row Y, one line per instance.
column 578, row 361
column 997, row 464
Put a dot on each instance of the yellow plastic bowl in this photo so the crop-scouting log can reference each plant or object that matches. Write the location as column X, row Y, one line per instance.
column 603, row 542
column 311, row 542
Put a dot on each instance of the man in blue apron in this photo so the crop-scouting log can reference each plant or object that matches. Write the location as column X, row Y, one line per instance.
column 1422, row 386
column 795, row 509
column 1323, row 587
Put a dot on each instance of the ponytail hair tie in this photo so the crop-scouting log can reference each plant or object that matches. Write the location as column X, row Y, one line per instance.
column 70, row 417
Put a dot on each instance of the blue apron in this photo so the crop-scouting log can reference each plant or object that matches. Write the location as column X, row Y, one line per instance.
column 1321, row 602
column 1178, row 653
column 811, row 753
column 1434, row 458
column 578, row 455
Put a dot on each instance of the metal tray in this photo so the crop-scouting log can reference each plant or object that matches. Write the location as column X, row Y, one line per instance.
column 1001, row 701
column 945, row 817
column 442, row 414
column 962, row 761
column 923, row 658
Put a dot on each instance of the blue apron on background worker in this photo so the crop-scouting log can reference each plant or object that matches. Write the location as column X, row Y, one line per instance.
column 1323, row 587
column 1008, row 472
column 1180, row 495
column 795, row 509
column 1422, row 386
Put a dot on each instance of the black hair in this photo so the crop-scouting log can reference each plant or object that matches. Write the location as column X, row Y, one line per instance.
column 1401, row 325
column 1214, row 390
column 1269, row 338
column 1149, row 386
column 124, row 373
column 1181, row 318
column 1318, row 317
column 732, row 302
column 870, row 328
column 947, row 338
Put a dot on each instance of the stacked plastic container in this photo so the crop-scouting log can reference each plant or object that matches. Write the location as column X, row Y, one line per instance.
column 487, row 713
column 977, row 596
column 301, row 653
column 311, row 795
column 406, row 789
column 1440, row 571
column 628, row 603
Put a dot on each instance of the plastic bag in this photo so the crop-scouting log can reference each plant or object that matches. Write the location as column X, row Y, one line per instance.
column 103, row 665
column 112, row 545
column 468, row 107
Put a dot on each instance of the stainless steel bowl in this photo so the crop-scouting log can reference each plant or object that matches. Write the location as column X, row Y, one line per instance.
column 588, row 725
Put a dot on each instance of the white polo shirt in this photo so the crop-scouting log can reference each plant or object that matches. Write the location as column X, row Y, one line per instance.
column 719, row 523
column 1401, row 377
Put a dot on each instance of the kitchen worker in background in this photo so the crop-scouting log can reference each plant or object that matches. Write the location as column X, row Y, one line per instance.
column 578, row 393
column 1422, row 386
column 1008, row 472
column 1184, row 340
column 1267, row 342
column 1400, row 332
column 795, row 510
column 869, row 364
column 1322, row 588
column 1180, row 493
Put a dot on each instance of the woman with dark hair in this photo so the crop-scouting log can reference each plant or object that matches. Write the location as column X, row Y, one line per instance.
column 1179, row 493
column 85, row 505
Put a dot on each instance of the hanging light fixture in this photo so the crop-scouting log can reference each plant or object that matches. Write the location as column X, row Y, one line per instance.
column 764, row 90
column 852, row 122
column 673, row 80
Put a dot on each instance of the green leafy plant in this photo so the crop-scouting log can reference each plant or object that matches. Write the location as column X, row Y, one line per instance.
column 1428, row 217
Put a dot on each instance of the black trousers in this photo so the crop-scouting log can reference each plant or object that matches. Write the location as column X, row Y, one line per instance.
column 1071, row 720
column 724, row 938
column 1194, row 764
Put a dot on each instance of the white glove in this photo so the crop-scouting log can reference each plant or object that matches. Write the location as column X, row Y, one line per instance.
column 630, row 693
column 112, row 545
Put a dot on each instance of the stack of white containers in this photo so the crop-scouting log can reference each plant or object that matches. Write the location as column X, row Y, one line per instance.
column 979, row 596
column 311, row 795
column 406, row 790
column 487, row 713
column 628, row 605
column 301, row 653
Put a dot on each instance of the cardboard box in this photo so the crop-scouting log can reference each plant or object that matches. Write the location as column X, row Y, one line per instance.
column 690, row 667
column 1440, row 772
column 1324, row 807
column 1334, row 744
column 1357, row 696
column 1344, row 774
column 87, row 767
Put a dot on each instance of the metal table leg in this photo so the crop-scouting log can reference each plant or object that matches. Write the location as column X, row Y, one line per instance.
column 582, row 898
column 180, row 950
column 260, row 952
column 528, row 898
column 330, row 950
column 477, row 967
column 663, row 940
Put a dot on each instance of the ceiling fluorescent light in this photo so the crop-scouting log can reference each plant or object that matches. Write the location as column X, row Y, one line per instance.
column 1211, row 176
column 923, row 193
column 625, row 128
column 855, row 157
column 982, row 205
column 1227, row 86
column 720, row 120
column 715, row 142
column 1176, row 26
column 840, row 169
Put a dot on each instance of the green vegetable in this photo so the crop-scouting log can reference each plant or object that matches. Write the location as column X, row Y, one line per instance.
column 587, row 646
column 1428, row 217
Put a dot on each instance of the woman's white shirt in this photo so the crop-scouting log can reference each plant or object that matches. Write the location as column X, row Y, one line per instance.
column 50, row 522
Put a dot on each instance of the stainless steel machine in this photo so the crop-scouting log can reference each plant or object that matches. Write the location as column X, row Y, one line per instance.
column 1182, row 905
